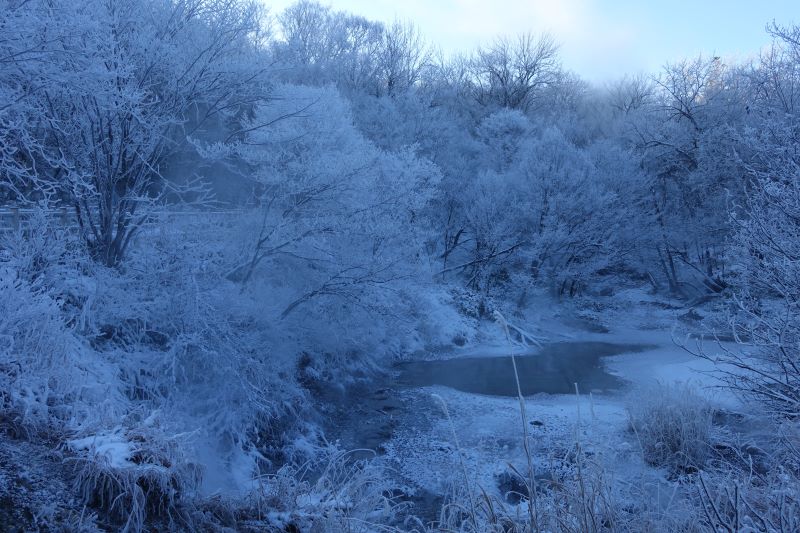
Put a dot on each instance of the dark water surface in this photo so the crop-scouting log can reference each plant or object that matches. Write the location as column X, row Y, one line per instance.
column 553, row 369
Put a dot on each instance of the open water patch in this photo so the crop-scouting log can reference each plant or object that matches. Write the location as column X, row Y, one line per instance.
column 553, row 369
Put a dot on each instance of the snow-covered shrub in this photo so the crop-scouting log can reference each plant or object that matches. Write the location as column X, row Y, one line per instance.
column 35, row 344
column 157, row 371
column 672, row 424
column 49, row 377
column 195, row 352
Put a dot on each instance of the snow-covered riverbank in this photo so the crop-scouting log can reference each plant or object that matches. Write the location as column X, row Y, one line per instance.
column 435, row 438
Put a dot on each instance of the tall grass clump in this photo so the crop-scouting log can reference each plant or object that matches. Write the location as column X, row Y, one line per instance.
column 135, row 477
column 673, row 426
column 331, row 492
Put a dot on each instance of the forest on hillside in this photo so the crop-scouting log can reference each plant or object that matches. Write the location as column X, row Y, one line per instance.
column 220, row 224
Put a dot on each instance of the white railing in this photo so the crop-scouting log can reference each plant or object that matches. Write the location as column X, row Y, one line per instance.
column 12, row 217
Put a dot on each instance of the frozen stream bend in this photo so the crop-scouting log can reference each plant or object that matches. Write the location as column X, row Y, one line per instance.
column 402, row 420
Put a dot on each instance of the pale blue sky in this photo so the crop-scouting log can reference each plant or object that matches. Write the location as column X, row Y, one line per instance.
column 600, row 39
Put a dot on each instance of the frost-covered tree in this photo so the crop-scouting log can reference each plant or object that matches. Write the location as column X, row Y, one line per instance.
column 539, row 210
column 482, row 229
column 337, row 214
column 768, row 246
column 403, row 56
column 320, row 45
column 684, row 139
column 132, row 88
column 574, row 227
column 512, row 73
column 766, row 238
column 630, row 93
column 30, row 52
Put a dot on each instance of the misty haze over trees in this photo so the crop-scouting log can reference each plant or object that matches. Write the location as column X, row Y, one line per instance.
column 226, row 232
